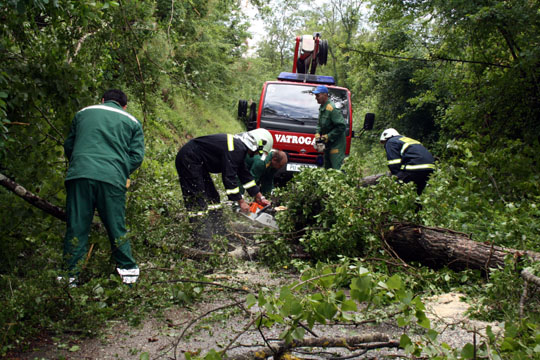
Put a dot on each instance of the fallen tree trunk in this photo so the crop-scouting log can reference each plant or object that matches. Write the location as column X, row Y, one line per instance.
column 436, row 248
column 32, row 198
column 350, row 343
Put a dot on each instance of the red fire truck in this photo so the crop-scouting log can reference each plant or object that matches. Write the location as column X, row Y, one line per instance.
column 290, row 112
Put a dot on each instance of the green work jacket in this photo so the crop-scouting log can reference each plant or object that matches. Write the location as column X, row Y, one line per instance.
column 262, row 171
column 105, row 143
column 331, row 123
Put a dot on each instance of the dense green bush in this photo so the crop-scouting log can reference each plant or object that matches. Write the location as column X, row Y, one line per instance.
column 330, row 214
column 491, row 194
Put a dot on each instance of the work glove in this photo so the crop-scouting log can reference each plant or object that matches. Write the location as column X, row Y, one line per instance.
column 325, row 138
column 316, row 142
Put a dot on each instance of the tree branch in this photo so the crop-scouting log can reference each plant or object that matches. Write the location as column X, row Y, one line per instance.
column 32, row 198
column 529, row 277
column 432, row 59
column 202, row 283
column 350, row 343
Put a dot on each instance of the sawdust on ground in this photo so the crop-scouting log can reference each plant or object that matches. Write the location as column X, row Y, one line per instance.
column 159, row 337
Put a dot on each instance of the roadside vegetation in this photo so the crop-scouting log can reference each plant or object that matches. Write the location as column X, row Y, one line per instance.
column 460, row 77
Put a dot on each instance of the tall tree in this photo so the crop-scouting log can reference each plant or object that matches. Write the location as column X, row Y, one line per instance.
column 58, row 56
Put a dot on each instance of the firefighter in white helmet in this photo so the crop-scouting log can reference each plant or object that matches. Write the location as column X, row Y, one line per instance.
column 225, row 154
column 407, row 158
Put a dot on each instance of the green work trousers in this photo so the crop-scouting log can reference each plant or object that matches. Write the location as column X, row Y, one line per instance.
column 333, row 157
column 83, row 197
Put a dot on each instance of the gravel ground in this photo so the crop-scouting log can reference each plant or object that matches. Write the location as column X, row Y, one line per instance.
column 159, row 338
column 198, row 329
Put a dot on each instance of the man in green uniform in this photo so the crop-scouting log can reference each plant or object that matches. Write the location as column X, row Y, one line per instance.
column 330, row 129
column 263, row 171
column 104, row 146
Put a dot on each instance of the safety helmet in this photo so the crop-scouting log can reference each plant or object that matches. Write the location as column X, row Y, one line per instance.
column 259, row 140
column 388, row 133
column 264, row 139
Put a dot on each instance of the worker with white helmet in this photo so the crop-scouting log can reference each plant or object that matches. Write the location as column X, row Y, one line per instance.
column 407, row 158
column 225, row 154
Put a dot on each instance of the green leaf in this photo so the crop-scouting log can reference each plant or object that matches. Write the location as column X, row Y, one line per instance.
column 349, row 305
column 285, row 293
column 394, row 282
column 74, row 348
column 296, row 308
column 432, row 334
column 298, row 333
column 423, row 321
column 328, row 310
column 404, row 341
column 262, row 299
column 213, row 355
column 402, row 321
column 468, row 351
column 251, row 300
column 146, row 356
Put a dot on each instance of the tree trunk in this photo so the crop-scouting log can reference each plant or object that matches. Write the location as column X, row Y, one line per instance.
column 436, row 248
column 32, row 198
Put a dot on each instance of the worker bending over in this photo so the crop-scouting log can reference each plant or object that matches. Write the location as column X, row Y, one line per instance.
column 264, row 170
column 225, row 154
column 407, row 158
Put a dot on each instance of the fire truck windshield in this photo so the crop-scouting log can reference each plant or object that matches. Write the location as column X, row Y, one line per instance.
column 293, row 108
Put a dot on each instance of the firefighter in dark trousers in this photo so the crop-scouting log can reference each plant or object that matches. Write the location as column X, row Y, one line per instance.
column 330, row 129
column 263, row 171
column 408, row 159
column 225, row 154
column 104, row 146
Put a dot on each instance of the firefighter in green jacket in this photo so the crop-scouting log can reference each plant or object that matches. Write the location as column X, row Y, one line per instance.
column 330, row 129
column 264, row 170
column 104, row 146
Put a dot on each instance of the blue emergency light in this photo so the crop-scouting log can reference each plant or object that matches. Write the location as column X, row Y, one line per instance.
column 307, row 78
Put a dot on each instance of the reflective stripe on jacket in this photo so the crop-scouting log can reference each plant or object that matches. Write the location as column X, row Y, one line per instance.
column 406, row 154
column 225, row 154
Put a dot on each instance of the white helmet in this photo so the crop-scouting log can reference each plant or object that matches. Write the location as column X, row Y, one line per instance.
column 264, row 139
column 388, row 133
column 257, row 140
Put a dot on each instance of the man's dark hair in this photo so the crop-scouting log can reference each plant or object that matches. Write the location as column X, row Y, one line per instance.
column 116, row 95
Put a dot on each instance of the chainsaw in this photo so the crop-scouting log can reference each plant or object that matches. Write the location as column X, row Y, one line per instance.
column 262, row 214
column 319, row 144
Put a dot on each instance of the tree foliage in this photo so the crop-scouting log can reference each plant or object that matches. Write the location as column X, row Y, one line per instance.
column 460, row 76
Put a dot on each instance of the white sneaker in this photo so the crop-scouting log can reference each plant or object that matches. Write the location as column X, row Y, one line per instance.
column 129, row 276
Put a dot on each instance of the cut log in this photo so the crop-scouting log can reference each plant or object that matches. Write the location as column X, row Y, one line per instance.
column 366, row 341
column 32, row 198
column 436, row 248
column 371, row 180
